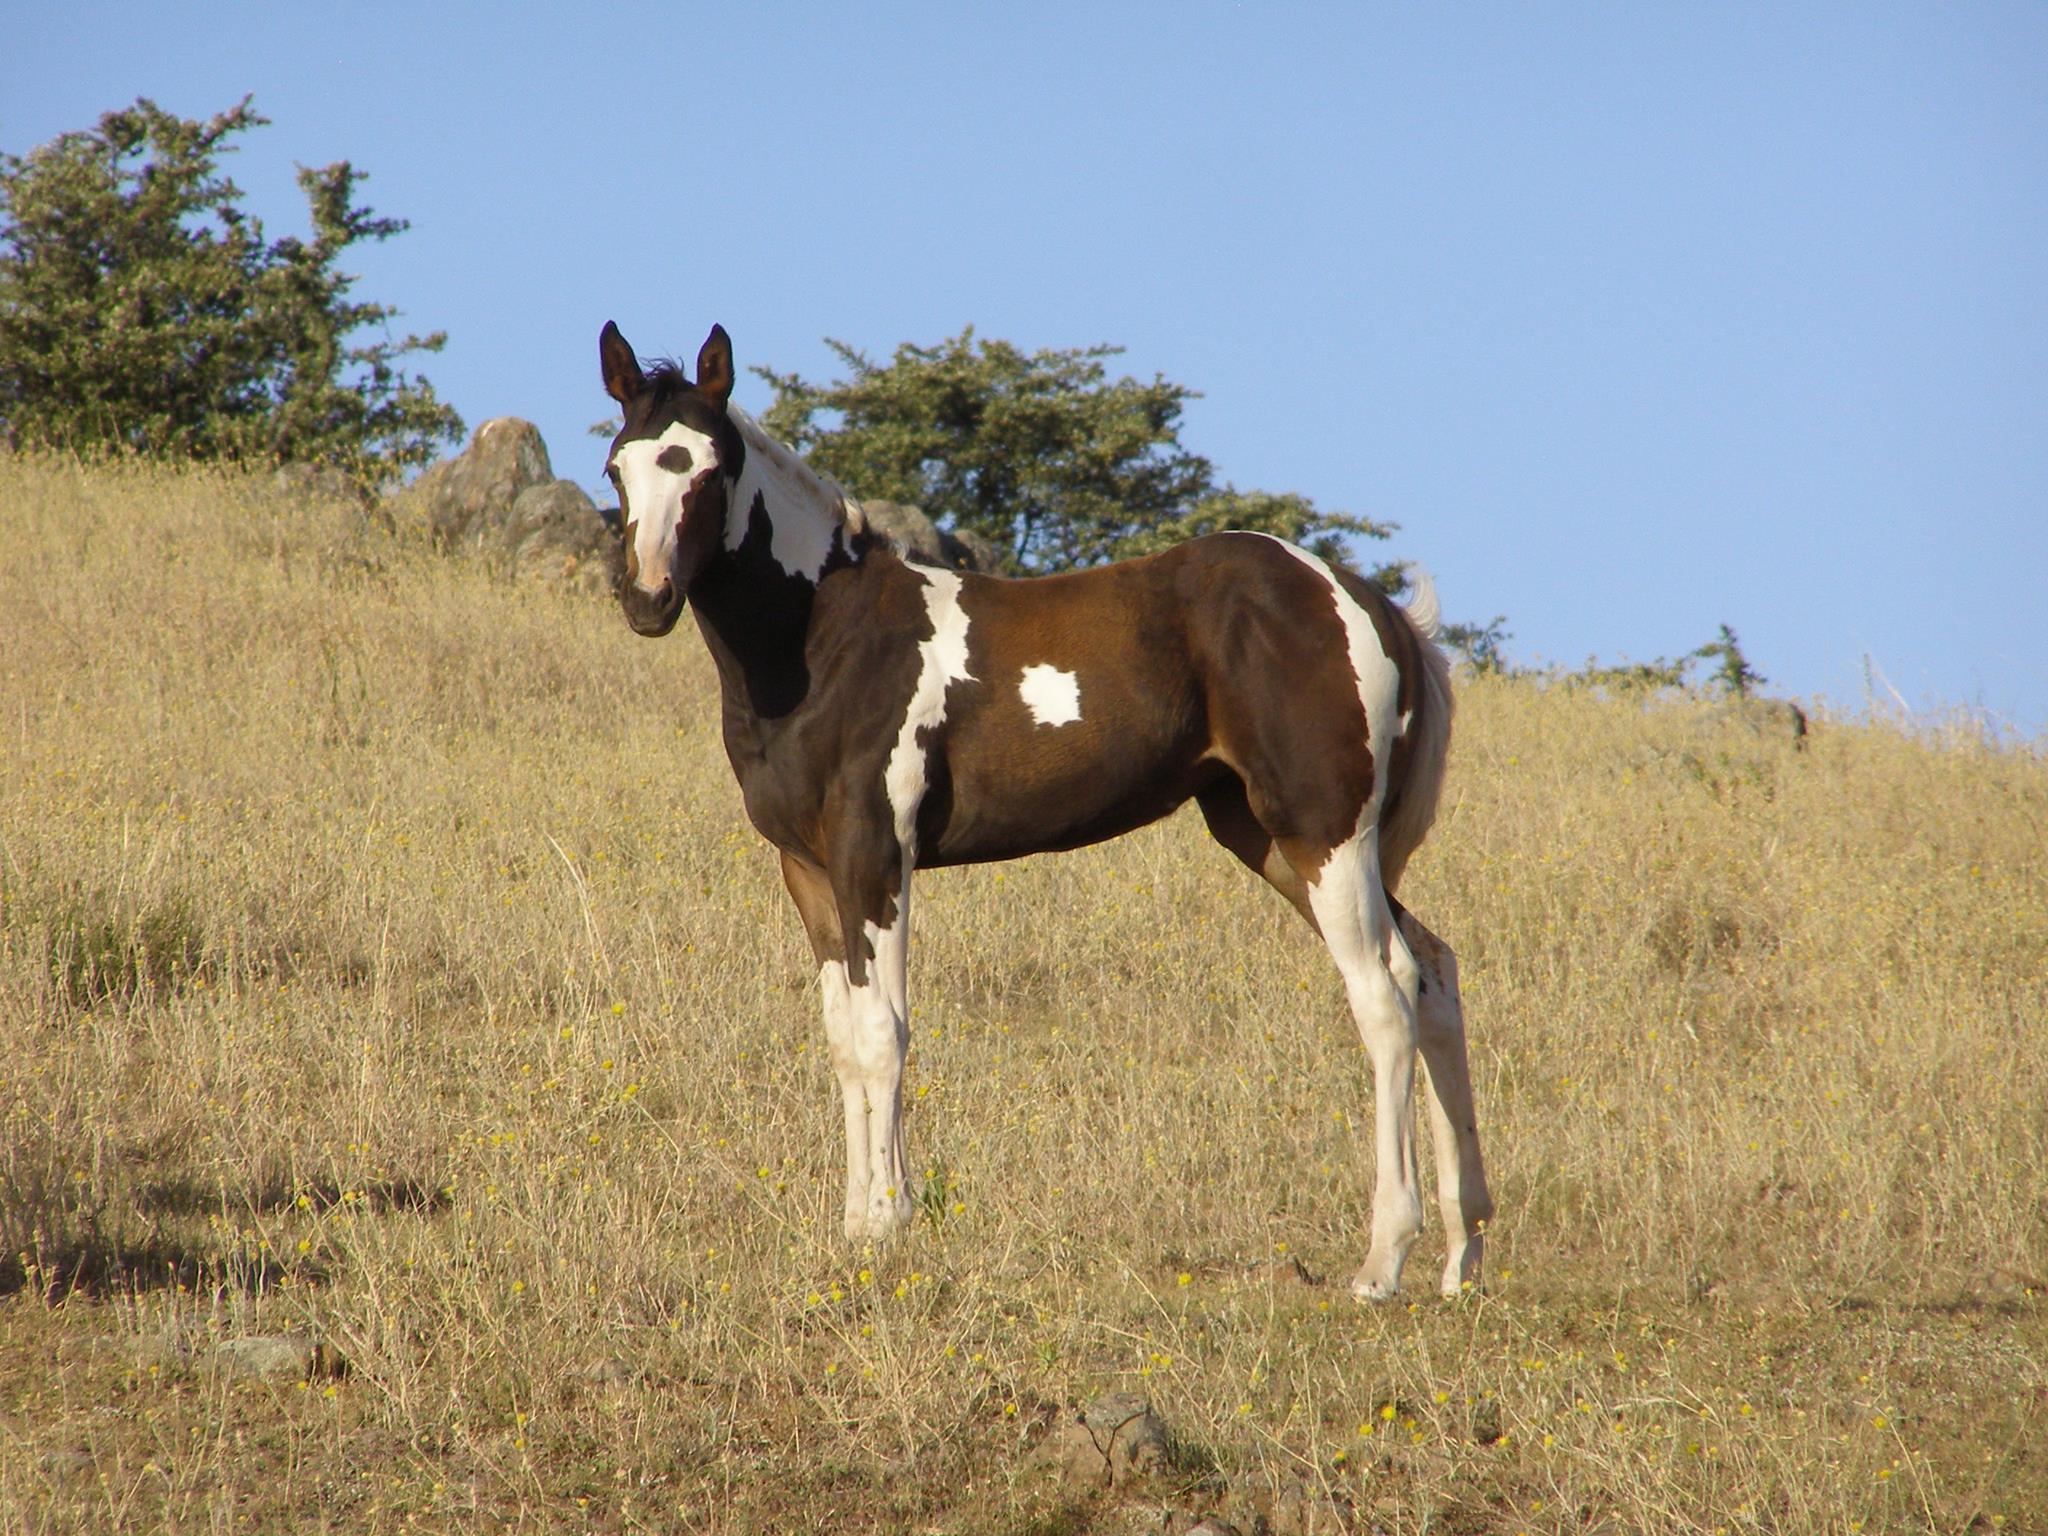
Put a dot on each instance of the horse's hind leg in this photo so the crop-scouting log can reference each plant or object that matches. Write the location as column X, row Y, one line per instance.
column 1380, row 978
column 1460, row 1170
column 1231, row 823
column 1347, row 906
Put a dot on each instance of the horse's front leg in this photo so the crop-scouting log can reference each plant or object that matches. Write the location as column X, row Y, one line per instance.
column 879, row 1012
column 812, row 891
column 878, row 1018
column 858, row 922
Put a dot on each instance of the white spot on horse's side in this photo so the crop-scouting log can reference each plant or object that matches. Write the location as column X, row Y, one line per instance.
column 1052, row 696
column 941, row 660
column 654, row 496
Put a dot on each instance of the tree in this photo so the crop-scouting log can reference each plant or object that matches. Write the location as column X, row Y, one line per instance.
column 1040, row 452
column 142, row 310
column 1738, row 679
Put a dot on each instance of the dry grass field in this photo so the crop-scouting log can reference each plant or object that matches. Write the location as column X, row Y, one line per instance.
column 384, row 961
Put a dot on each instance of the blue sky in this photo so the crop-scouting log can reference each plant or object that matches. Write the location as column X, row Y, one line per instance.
column 1637, row 319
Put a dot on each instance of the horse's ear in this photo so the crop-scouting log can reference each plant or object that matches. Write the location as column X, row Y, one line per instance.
column 622, row 377
column 714, row 367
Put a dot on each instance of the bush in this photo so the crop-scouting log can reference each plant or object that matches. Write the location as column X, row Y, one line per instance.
column 141, row 310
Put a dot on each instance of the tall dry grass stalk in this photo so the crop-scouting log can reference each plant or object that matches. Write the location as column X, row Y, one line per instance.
column 385, row 956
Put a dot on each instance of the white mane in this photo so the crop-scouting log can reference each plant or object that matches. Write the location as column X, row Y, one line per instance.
column 805, row 509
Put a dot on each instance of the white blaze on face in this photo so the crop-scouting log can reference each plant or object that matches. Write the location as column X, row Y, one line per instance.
column 656, row 476
column 1052, row 696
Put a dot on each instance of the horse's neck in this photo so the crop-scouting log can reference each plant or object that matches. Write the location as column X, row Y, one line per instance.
column 806, row 515
column 755, row 623
column 785, row 530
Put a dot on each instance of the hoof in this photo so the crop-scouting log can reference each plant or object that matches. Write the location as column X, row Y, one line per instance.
column 889, row 1218
column 1461, row 1268
column 1379, row 1277
column 1368, row 1286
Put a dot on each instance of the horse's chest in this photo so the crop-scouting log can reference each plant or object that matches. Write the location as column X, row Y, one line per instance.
column 805, row 784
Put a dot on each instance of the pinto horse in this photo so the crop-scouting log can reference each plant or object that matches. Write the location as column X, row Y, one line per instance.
column 884, row 717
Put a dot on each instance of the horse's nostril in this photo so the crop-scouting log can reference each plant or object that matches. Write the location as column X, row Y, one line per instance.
column 651, row 613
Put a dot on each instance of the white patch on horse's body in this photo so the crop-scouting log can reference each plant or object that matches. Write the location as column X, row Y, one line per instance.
column 805, row 510
column 1052, row 696
column 942, row 660
column 653, row 495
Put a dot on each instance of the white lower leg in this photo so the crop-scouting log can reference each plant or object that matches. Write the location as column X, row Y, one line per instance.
column 839, row 1041
column 1454, row 1129
column 881, row 1039
column 1460, row 1168
column 1461, row 1193
column 1389, row 1032
column 1380, row 980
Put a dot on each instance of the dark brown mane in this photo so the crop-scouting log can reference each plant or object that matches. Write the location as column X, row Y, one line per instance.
column 665, row 380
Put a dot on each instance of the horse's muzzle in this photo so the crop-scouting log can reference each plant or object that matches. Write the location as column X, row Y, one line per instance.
column 651, row 613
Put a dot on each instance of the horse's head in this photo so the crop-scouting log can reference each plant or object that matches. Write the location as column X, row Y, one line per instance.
column 672, row 463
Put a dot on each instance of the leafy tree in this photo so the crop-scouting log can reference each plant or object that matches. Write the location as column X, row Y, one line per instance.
column 1040, row 452
column 142, row 310
column 1738, row 679
column 1484, row 646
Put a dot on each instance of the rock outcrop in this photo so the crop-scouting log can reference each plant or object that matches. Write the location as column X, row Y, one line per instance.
column 499, row 498
column 916, row 537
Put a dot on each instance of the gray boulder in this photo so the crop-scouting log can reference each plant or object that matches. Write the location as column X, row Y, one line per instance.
column 966, row 550
column 916, row 537
column 499, row 498
column 913, row 534
column 556, row 531
column 462, row 499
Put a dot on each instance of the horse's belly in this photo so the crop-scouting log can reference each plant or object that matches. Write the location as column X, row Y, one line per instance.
column 1040, row 794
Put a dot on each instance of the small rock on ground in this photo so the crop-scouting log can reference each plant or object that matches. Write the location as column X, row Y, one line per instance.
column 608, row 1372
column 1115, row 1440
column 264, row 1357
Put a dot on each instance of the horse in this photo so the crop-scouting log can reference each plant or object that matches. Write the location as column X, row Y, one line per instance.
column 884, row 716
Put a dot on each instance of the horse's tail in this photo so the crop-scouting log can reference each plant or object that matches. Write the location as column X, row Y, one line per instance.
column 1425, row 741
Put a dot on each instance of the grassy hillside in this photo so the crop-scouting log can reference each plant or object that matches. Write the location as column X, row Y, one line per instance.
column 385, row 960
